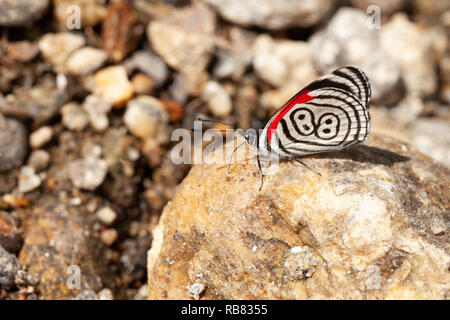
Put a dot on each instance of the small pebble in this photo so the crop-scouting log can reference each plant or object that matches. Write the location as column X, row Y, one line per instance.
column 56, row 47
column 437, row 225
column 22, row 51
column 112, row 84
column 87, row 173
column 97, row 109
column 109, row 236
column 9, row 235
column 150, row 64
column 86, row 60
column 195, row 290
column 28, row 179
column 144, row 117
column 105, row 294
column 9, row 266
column 133, row 154
column 142, row 293
column 74, row 117
column 142, row 84
column 39, row 160
column 40, row 137
column 87, row 295
column 107, row 215
column 13, row 143
column 219, row 101
column 75, row 201
column 175, row 110
column 61, row 81
column 296, row 249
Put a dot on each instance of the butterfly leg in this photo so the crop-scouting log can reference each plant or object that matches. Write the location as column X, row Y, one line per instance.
column 232, row 155
column 301, row 162
column 261, row 172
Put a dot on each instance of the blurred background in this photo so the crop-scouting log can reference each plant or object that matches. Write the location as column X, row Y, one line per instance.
column 90, row 91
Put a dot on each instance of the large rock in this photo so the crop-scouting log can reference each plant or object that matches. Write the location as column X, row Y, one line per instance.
column 373, row 225
column 273, row 14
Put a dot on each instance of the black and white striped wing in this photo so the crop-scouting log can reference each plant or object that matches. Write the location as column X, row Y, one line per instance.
column 331, row 113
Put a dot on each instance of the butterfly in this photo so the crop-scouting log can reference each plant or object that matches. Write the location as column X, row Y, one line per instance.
column 330, row 114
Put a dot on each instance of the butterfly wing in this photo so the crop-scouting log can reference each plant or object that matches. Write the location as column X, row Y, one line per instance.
column 329, row 114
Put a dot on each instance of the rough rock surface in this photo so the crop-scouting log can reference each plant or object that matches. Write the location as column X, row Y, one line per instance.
column 58, row 239
column 273, row 14
column 373, row 225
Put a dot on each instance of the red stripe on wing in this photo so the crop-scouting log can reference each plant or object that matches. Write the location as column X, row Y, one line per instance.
column 302, row 98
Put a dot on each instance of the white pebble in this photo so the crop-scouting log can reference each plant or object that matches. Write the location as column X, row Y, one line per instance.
column 41, row 136
column 296, row 249
column 86, row 60
column 219, row 101
column 107, row 215
column 28, row 179
column 105, row 294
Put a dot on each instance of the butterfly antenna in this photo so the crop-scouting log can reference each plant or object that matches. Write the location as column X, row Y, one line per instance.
column 213, row 121
column 261, row 172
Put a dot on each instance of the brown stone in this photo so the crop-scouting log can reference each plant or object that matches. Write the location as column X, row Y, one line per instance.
column 119, row 32
column 142, row 84
column 9, row 235
column 175, row 110
column 372, row 225
column 22, row 51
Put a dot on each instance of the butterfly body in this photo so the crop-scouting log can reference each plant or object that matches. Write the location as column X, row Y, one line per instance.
column 330, row 114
